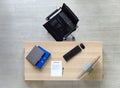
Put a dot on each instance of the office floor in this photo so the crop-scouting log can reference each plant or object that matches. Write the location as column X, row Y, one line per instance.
column 22, row 20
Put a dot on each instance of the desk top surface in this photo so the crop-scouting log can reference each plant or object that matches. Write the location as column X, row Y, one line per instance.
column 72, row 68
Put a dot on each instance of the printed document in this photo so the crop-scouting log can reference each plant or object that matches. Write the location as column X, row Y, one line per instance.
column 56, row 68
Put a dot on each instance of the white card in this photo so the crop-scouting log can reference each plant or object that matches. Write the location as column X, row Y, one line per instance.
column 56, row 68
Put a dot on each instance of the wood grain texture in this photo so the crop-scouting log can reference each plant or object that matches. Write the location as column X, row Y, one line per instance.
column 72, row 68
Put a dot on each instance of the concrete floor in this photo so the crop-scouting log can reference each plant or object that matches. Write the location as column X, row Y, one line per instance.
column 22, row 20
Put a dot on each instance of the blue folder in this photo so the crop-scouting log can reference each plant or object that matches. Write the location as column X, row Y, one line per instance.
column 43, row 59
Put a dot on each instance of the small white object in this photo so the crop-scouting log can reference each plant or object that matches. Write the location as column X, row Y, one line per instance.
column 56, row 68
column 86, row 66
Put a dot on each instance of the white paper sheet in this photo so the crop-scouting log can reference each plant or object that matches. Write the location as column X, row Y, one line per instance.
column 56, row 68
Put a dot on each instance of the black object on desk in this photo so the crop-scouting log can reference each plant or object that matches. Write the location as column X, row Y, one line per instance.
column 82, row 45
column 74, row 51
column 61, row 23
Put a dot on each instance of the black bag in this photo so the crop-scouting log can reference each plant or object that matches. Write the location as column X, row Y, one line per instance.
column 61, row 25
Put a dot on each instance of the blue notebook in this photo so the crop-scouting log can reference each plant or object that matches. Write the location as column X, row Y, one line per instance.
column 43, row 59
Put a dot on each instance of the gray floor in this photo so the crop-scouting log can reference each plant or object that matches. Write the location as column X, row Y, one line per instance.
column 22, row 20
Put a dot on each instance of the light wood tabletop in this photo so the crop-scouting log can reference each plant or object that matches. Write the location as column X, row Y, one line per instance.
column 72, row 68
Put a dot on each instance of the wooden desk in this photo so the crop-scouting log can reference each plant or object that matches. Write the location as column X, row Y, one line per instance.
column 72, row 68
